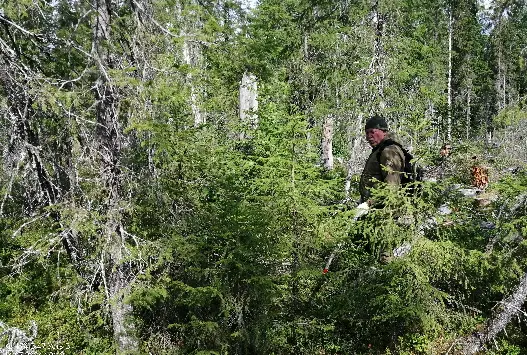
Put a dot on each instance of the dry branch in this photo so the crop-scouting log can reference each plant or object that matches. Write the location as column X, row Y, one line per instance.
column 509, row 308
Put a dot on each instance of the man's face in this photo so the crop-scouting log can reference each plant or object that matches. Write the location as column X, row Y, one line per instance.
column 445, row 150
column 374, row 136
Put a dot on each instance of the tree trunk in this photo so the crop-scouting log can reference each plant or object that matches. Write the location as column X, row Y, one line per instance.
column 377, row 65
column 110, row 141
column 192, row 58
column 249, row 100
column 354, row 132
column 501, row 81
column 327, row 142
column 118, row 289
column 449, row 99
column 189, row 56
column 469, row 95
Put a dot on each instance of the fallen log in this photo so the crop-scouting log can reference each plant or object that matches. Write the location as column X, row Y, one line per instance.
column 508, row 309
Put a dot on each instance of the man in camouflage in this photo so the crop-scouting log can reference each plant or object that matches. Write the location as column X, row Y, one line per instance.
column 384, row 167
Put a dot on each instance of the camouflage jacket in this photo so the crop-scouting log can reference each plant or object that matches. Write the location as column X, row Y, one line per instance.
column 388, row 169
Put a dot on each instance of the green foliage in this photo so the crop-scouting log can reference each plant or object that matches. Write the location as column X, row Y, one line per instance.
column 509, row 117
column 224, row 228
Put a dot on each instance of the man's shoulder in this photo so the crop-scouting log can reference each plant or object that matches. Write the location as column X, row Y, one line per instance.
column 391, row 147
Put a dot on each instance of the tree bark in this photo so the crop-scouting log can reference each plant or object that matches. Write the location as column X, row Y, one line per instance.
column 192, row 58
column 354, row 132
column 327, row 142
column 378, row 65
column 469, row 95
column 249, row 100
column 188, row 55
column 501, row 81
column 449, row 98
column 110, row 140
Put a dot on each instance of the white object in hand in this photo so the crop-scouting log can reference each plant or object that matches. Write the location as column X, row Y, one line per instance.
column 361, row 210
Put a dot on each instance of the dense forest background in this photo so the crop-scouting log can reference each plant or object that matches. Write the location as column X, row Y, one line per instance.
column 175, row 173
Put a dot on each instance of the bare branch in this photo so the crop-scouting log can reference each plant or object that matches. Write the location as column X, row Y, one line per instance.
column 20, row 28
column 509, row 308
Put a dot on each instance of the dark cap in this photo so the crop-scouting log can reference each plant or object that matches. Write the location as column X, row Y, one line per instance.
column 376, row 121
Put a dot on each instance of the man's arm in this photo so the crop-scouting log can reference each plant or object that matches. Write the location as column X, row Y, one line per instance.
column 392, row 163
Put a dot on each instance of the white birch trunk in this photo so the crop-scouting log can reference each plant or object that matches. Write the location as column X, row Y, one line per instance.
column 378, row 63
column 469, row 95
column 327, row 143
column 352, row 165
column 354, row 139
column 503, row 82
column 249, row 100
column 191, row 56
column 430, row 114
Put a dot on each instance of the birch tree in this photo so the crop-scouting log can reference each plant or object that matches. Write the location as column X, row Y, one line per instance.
column 248, row 100
column 189, row 20
column 327, row 142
